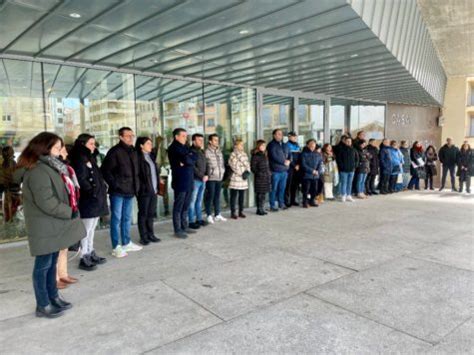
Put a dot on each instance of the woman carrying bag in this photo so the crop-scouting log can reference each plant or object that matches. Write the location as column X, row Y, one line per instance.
column 51, row 216
column 430, row 157
column 239, row 163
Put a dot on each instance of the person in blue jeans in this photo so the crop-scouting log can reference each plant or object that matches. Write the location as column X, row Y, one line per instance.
column 279, row 159
column 121, row 172
column 182, row 161
column 200, row 178
column 347, row 160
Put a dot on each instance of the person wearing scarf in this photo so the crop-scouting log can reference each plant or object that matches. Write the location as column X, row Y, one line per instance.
column 50, row 194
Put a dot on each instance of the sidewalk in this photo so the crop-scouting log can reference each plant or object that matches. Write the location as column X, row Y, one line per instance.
column 392, row 274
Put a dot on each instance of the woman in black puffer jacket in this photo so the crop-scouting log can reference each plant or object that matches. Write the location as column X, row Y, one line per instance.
column 261, row 169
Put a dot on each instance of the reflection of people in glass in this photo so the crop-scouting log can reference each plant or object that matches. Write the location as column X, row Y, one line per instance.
column 162, row 161
column 12, row 199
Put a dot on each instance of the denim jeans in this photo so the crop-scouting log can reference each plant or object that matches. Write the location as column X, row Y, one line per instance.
column 44, row 278
column 361, row 182
column 195, row 208
column 345, row 183
column 182, row 200
column 278, row 189
column 121, row 219
column 213, row 197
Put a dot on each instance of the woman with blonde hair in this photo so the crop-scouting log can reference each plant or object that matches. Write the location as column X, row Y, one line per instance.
column 239, row 163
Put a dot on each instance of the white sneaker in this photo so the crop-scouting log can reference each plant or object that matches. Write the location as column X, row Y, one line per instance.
column 349, row 198
column 220, row 218
column 118, row 252
column 210, row 220
column 343, row 198
column 131, row 247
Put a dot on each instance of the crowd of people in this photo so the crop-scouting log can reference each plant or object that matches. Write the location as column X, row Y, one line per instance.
column 65, row 191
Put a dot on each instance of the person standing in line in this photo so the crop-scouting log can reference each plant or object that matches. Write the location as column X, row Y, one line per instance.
column 448, row 156
column 404, row 149
column 239, row 163
column 93, row 198
column 293, row 180
column 347, row 161
column 63, row 279
column 279, row 158
column 396, row 158
column 200, row 178
column 182, row 160
column 385, row 166
column 12, row 198
column 374, row 168
column 363, row 168
column 216, row 170
column 417, row 165
column 51, row 216
column 311, row 170
column 263, row 176
column 331, row 173
column 147, row 196
column 465, row 167
column 430, row 168
column 120, row 171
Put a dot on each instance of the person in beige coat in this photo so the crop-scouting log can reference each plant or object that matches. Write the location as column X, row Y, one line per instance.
column 239, row 163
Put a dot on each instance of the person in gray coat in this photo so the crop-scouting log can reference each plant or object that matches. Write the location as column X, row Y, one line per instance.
column 50, row 204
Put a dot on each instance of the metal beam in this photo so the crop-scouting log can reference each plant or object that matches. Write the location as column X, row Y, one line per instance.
column 139, row 22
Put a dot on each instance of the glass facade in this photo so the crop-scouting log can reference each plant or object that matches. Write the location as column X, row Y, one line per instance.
column 69, row 100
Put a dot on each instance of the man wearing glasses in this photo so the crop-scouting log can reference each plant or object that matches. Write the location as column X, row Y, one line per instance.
column 120, row 171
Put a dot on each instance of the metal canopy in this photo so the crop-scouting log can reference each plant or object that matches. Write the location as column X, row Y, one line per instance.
column 319, row 47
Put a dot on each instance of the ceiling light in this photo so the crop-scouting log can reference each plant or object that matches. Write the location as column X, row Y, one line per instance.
column 75, row 15
column 345, row 74
column 263, row 61
column 354, row 55
column 244, row 32
column 154, row 60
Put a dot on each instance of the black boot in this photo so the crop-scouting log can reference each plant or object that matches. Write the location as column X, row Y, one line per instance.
column 154, row 239
column 58, row 302
column 87, row 264
column 49, row 311
column 96, row 259
column 144, row 241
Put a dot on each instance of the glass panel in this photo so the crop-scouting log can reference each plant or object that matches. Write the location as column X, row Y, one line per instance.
column 276, row 113
column 310, row 120
column 21, row 118
column 230, row 112
column 368, row 117
column 336, row 122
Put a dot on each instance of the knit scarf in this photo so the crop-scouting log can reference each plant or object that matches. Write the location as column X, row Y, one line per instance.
column 69, row 178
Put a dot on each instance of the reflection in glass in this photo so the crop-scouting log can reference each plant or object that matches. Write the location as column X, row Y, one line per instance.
column 336, row 122
column 310, row 120
column 21, row 118
column 276, row 113
column 368, row 117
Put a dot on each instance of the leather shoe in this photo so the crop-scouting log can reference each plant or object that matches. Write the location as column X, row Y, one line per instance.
column 49, row 311
column 144, row 241
column 154, row 239
column 60, row 303
column 181, row 235
column 99, row 260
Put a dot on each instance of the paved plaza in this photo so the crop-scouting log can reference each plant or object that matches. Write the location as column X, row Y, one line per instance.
column 388, row 275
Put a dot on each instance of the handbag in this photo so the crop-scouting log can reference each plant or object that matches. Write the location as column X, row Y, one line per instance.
column 245, row 174
column 161, row 188
column 400, row 179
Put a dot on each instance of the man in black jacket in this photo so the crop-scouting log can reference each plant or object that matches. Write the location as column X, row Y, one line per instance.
column 374, row 167
column 182, row 160
column 200, row 179
column 120, row 171
column 448, row 156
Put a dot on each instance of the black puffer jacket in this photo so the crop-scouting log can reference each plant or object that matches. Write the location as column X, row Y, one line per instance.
column 347, row 159
column 374, row 159
column 261, row 169
column 448, row 155
column 120, row 170
column 200, row 167
column 144, row 174
column 93, row 196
